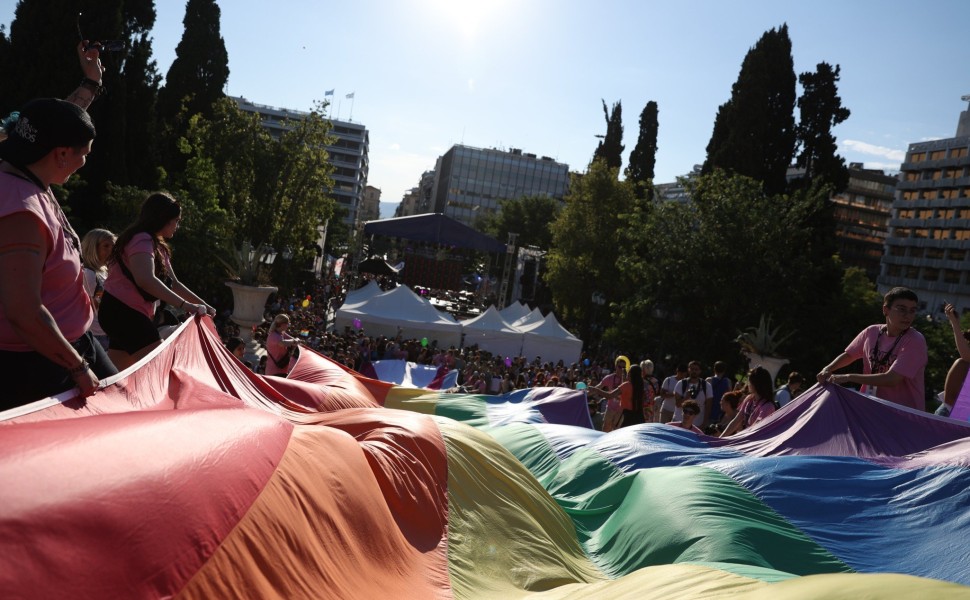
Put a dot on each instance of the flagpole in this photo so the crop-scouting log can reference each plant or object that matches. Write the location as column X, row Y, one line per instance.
column 352, row 98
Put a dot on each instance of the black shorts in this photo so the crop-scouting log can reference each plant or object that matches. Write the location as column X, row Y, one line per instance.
column 128, row 330
column 29, row 376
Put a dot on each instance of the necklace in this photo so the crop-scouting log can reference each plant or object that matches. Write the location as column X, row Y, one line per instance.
column 879, row 361
column 27, row 175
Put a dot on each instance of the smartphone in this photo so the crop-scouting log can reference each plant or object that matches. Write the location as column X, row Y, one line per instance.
column 107, row 46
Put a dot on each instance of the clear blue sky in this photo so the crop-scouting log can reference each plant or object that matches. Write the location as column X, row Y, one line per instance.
column 530, row 74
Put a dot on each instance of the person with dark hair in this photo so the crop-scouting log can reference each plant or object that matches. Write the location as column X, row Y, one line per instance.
column 757, row 405
column 694, row 387
column 690, row 409
column 729, row 409
column 893, row 355
column 140, row 275
column 669, row 398
column 45, row 345
column 790, row 390
column 720, row 384
column 957, row 374
column 631, row 394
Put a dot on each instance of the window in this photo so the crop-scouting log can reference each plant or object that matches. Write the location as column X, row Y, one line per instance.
column 926, row 213
column 938, row 155
column 912, row 176
column 958, row 254
column 911, row 272
column 959, row 152
column 906, row 213
column 921, row 233
column 902, row 232
column 948, row 213
column 941, row 234
column 931, row 274
column 951, row 276
column 934, row 253
column 897, row 251
column 895, row 271
column 917, row 157
column 961, row 234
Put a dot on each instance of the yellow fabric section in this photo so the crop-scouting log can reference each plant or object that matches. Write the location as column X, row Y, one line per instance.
column 413, row 399
column 506, row 535
column 693, row 582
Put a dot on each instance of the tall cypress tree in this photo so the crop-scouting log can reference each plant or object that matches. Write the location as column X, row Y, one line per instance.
column 643, row 158
column 610, row 148
column 40, row 57
column 201, row 66
column 754, row 132
column 820, row 109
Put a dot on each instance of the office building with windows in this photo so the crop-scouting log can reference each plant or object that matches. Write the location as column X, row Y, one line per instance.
column 929, row 232
column 862, row 213
column 348, row 154
column 470, row 182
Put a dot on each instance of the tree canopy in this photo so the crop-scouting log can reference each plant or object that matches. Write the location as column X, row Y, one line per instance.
column 610, row 147
column 586, row 244
column 754, row 131
column 643, row 158
column 821, row 109
column 529, row 216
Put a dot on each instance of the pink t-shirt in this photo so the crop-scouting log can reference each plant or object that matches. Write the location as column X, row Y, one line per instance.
column 62, row 285
column 275, row 347
column 123, row 288
column 753, row 409
column 908, row 358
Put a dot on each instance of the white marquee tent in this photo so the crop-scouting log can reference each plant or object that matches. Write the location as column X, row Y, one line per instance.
column 492, row 333
column 400, row 308
column 550, row 341
column 514, row 311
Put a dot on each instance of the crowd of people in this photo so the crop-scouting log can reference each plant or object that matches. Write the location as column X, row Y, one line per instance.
column 73, row 311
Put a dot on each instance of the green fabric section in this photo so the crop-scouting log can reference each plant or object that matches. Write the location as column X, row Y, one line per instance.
column 506, row 535
column 677, row 514
column 467, row 408
column 532, row 449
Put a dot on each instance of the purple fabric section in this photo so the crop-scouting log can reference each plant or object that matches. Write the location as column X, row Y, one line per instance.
column 831, row 420
column 562, row 406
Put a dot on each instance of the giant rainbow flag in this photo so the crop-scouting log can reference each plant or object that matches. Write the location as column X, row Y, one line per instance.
column 190, row 477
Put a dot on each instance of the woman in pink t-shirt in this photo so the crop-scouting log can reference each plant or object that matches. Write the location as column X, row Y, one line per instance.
column 279, row 345
column 758, row 405
column 140, row 275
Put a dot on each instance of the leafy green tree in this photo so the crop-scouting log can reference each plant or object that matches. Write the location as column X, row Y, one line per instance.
column 243, row 185
column 643, row 158
column 201, row 66
column 754, row 132
column 586, row 244
column 610, row 147
column 700, row 272
column 529, row 216
column 195, row 80
column 820, row 110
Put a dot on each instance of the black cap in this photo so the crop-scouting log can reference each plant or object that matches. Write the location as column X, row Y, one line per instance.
column 45, row 124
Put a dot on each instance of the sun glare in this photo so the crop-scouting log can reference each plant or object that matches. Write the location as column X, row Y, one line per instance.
column 467, row 18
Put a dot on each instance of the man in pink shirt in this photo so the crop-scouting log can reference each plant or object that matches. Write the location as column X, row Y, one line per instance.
column 893, row 355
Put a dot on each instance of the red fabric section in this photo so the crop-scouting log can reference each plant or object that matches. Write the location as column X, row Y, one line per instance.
column 127, row 505
column 141, row 495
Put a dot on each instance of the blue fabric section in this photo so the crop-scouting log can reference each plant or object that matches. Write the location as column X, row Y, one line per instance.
column 863, row 513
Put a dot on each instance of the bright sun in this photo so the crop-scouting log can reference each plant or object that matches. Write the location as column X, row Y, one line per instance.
column 466, row 17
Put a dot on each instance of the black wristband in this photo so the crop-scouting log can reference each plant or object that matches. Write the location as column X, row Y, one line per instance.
column 93, row 86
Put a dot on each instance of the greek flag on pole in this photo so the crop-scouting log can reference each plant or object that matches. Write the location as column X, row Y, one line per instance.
column 328, row 93
column 350, row 96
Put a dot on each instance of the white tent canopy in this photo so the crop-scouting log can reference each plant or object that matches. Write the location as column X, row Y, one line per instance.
column 550, row 341
column 492, row 333
column 530, row 319
column 401, row 310
column 363, row 294
column 514, row 311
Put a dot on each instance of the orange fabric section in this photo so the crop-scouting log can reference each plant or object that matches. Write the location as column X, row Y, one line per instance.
column 127, row 505
column 321, row 530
